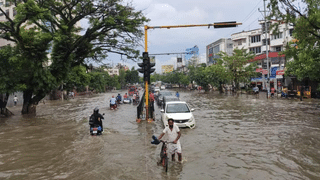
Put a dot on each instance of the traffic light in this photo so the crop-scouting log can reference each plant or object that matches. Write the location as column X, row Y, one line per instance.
column 225, row 24
column 150, row 70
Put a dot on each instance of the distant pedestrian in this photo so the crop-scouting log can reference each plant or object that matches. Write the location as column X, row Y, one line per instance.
column 15, row 100
column 178, row 95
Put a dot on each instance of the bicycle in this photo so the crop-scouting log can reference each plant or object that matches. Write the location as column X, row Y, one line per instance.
column 164, row 155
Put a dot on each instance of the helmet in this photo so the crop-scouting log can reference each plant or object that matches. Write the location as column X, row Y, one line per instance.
column 96, row 110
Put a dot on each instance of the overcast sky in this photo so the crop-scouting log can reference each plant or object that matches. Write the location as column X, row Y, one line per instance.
column 185, row 12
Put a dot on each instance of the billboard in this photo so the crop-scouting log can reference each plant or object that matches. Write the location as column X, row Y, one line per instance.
column 167, row 68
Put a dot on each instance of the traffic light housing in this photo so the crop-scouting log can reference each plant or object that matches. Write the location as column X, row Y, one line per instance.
column 225, row 24
column 146, row 67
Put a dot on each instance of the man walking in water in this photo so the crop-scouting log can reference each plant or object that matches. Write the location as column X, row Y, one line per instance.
column 173, row 133
column 15, row 100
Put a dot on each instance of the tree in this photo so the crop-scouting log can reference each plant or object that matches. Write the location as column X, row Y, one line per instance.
column 9, row 81
column 42, row 25
column 236, row 68
column 122, row 78
column 217, row 75
column 78, row 78
column 132, row 76
column 306, row 22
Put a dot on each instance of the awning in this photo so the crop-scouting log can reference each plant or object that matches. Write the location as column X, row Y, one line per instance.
column 270, row 55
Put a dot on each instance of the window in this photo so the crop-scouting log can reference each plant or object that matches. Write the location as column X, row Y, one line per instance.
column 1, row 3
column 290, row 32
column 255, row 39
column 210, row 50
column 239, row 42
column 277, row 48
column 229, row 45
column 14, row 12
column 264, row 42
column 8, row 3
column 256, row 50
column 7, row 12
column 216, row 49
column 263, row 27
column 277, row 36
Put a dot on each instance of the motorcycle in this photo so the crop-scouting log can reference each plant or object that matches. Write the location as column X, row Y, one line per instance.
column 95, row 129
column 113, row 106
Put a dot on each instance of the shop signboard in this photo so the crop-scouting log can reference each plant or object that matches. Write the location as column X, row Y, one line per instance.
column 259, row 70
column 280, row 72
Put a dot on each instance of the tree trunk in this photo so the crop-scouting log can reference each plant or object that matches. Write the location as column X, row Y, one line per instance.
column 28, row 107
column 3, row 104
column 30, row 102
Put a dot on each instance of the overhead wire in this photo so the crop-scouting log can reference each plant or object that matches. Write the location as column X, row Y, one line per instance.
column 246, row 18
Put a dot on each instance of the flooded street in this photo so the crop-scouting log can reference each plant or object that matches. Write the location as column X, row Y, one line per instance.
column 235, row 138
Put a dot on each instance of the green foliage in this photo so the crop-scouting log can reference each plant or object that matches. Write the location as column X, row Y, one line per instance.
column 305, row 52
column 9, row 80
column 236, row 69
column 78, row 78
column 114, row 28
column 132, row 76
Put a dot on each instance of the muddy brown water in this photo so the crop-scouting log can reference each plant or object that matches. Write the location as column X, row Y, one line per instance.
column 235, row 138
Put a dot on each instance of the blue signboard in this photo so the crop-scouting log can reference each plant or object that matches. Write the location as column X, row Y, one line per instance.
column 191, row 52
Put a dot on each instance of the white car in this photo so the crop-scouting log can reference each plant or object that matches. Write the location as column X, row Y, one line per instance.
column 156, row 89
column 163, row 87
column 180, row 112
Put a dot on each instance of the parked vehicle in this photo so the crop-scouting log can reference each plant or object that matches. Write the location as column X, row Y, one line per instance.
column 161, row 95
column 180, row 112
column 163, row 87
column 127, row 101
column 168, row 99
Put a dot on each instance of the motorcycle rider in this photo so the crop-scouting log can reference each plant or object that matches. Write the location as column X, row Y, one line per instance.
column 96, row 118
column 118, row 98
column 113, row 104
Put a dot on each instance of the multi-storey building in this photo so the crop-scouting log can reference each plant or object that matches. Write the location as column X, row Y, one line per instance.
column 255, row 41
column 10, row 11
column 221, row 45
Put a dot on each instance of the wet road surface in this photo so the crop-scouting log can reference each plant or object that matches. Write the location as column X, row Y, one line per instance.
column 235, row 138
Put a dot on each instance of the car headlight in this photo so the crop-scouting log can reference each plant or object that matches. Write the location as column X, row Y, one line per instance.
column 191, row 119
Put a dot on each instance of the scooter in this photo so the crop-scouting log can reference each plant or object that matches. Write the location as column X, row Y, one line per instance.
column 95, row 129
column 114, row 106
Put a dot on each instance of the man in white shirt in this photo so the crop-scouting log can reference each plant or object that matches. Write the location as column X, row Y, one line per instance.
column 113, row 104
column 15, row 100
column 173, row 133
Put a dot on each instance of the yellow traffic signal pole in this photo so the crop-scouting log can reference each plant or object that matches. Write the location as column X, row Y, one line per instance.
column 215, row 25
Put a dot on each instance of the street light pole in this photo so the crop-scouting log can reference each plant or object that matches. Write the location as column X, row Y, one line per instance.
column 267, row 52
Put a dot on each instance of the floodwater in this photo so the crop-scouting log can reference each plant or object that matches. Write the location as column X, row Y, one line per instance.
column 241, row 137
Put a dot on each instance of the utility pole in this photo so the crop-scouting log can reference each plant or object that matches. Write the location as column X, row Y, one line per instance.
column 267, row 51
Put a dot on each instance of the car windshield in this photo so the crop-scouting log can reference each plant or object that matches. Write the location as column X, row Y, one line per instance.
column 177, row 108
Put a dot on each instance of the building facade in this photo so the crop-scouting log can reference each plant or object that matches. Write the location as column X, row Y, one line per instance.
column 258, row 42
column 221, row 45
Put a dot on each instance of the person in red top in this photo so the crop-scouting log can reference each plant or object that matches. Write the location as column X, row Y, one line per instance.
column 151, row 100
column 151, row 97
column 273, row 91
column 125, row 96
